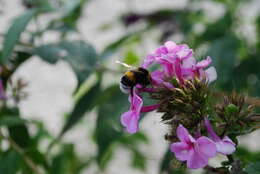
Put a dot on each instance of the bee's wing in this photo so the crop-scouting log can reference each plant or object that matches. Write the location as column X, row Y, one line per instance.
column 125, row 65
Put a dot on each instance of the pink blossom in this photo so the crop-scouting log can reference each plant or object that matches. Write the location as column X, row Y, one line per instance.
column 130, row 118
column 225, row 145
column 195, row 151
column 178, row 61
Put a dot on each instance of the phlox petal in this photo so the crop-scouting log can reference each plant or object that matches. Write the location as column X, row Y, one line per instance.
column 197, row 160
column 183, row 134
column 206, row 146
column 181, row 150
column 148, row 61
column 136, row 102
column 130, row 118
column 204, row 63
column 189, row 63
column 226, row 146
column 130, row 121
column 211, row 74
column 170, row 45
column 184, row 52
column 157, row 77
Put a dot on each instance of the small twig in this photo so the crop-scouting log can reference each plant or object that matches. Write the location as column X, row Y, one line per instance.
column 20, row 151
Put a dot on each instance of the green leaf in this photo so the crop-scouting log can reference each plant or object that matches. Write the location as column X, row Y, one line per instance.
column 218, row 29
column 247, row 156
column 84, row 104
column 21, row 56
column 114, row 46
column 66, row 161
column 246, row 75
column 108, row 130
column 71, row 12
column 9, row 162
column 253, row 168
column 134, row 139
column 11, row 121
column 81, row 56
column 13, row 34
column 224, row 52
column 138, row 160
column 165, row 163
column 18, row 132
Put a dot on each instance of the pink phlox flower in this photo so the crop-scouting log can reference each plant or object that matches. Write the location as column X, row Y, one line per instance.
column 131, row 118
column 178, row 61
column 195, row 151
column 225, row 145
column 169, row 51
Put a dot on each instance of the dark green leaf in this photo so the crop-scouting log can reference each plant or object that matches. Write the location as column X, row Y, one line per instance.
column 224, row 52
column 13, row 34
column 19, row 58
column 66, row 161
column 81, row 56
column 114, row 46
column 246, row 75
column 18, row 132
column 138, row 160
column 84, row 104
column 9, row 162
column 218, row 29
column 165, row 163
column 134, row 139
column 72, row 11
column 11, row 121
column 108, row 122
column 247, row 156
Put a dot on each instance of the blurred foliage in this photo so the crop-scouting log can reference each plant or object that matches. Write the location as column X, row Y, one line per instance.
column 235, row 57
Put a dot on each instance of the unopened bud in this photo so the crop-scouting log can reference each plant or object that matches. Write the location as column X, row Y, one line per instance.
column 231, row 109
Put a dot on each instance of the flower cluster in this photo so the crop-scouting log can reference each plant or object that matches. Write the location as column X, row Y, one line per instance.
column 180, row 84
column 177, row 62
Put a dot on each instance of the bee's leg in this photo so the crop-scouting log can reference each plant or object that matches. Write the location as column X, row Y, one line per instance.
column 132, row 91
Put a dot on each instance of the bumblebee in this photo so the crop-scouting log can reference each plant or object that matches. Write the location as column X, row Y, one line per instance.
column 133, row 77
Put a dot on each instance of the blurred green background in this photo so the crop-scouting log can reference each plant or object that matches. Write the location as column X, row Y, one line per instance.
column 58, row 57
